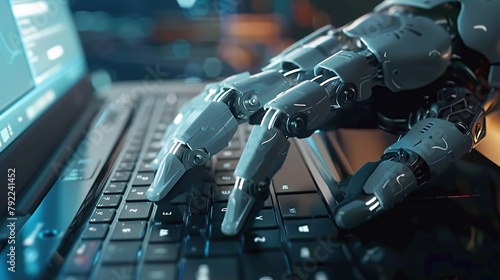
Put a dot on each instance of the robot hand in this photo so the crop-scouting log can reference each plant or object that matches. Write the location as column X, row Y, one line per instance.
column 398, row 50
column 207, row 123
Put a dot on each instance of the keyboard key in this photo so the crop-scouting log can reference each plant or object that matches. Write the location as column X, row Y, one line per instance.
column 162, row 252
column 95, row 231
column 143, row 179
column 121, row 176
column 130, row 157
column 165, row 233
column 326, row 272
column 265, row 265
column 137, row 194
column 226, row 165
column 157, row 136
column 216, row 233
column 145, row 167
column 115, row 188
column 129, row 230
column 268, row 203
column 102, row 216
column 136, row 211
column 203, row 190
column 218, row 211
column 324, row 252
column 310, row 229
column 196, row 225
column 229, row 154
column 265, row 219
column 156, row 145
column 158, row 272
column 195, row 247
column 125, row 166
column 198, row 206
column 109, row 201
column 121, row 252
column 83, row 258
column 135, row 146
column 224, row 178
column 149, row 156
column 302, row 206
column 170, row 214
column 180, row 199
column 223, row 248
column 261, row 240
column 294, row 176
column 221, row 194
column 162, row 127
column 122, row 272
column 216, row 268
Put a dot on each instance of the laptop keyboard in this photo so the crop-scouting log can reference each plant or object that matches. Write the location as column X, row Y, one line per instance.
column 129, row 237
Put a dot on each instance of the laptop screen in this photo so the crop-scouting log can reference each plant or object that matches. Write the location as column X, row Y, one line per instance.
column 40, row 59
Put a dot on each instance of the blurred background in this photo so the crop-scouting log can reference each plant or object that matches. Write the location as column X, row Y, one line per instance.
column 198, row 39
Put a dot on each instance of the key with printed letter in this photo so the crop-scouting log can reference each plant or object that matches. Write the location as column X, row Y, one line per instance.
column 102, row 216
column 133, row 230
column 169, row 214
column 109, row 201
column 136, row 211
column 143, row 179
column 137, row 194
column 261, row 240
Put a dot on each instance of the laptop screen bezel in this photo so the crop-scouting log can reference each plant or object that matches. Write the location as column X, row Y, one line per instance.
column 32, row 153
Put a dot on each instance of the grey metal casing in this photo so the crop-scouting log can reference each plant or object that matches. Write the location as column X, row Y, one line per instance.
column 227, row 82
column 184, row 111
column 350, row 67
column 479, row 27
column 413, row 50
column 424, row 4
column 211, row 126
column 391, row 182
column 174, row 169
column 477, row 23
column 308, row 99
column 437, row 141
column 264, row 154
column 308, row 56
column 263, row 87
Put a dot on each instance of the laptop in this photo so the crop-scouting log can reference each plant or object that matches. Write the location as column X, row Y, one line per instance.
column 74, row 167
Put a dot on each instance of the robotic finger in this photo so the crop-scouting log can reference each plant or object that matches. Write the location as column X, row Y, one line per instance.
column 297, row 112
column 186, row 110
